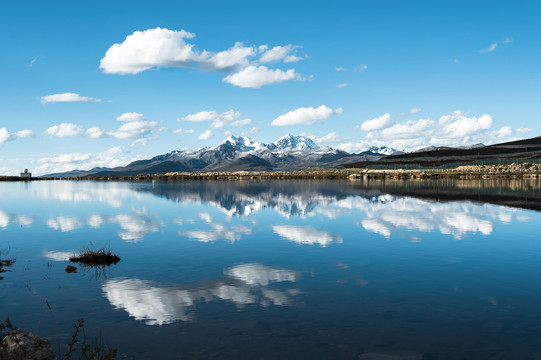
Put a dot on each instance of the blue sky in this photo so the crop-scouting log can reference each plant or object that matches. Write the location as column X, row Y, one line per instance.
column 102, row 83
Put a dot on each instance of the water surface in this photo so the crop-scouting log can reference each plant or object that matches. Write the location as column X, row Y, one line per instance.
column 292, row 269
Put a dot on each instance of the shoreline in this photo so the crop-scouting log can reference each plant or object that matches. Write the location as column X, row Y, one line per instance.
column 512, row 171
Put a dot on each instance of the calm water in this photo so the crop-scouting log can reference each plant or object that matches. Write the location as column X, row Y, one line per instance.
column 275, row 270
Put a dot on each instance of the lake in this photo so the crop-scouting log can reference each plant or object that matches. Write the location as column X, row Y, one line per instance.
column 280, row 269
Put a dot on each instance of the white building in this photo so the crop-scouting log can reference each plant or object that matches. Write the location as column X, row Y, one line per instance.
column 26, row 174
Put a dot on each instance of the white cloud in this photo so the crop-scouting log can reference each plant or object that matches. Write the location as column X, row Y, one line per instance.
column 330, row 138
column 376, row 123
column 134, row 129
column 136, row 126
column 160, row 47
column 503, row 132
column 415, row 111
column 338, row 68
column 230, row 59
column 456, row 129
column 147, row 49
column 361, row 68
column 130, row 116
column 458, row 125
column 228, row 118
column 340, row 86
column 82, row 161
column 182, row 131
column 205, row 135
column 67, row 97
column 305, row 116
column 5, row 135
column 64, row 130
column 507, row 40
column 491, row 48
column 95, row 133
column 278, row 53
column 522, row 130
column 256, row 76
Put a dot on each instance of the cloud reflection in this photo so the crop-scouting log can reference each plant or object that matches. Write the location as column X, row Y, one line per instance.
column 387, row 214
column 65, row 223
column 306, row 235
column 246, row 284
column 22, row 220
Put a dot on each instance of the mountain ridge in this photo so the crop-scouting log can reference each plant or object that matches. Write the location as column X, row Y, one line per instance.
column 237, row 153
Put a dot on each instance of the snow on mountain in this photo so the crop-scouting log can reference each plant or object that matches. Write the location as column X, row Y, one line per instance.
column 384, row 150
column 290, row 142
column 243, row 144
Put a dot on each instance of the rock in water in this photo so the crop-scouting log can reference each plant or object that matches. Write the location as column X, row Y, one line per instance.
column 70, row 269
column 20, row 344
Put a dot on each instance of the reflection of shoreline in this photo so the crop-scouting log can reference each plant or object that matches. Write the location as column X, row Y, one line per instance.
column 518, row 193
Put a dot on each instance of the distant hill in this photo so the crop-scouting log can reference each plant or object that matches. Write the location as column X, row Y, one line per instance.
column 437, row 156
column 238, row 153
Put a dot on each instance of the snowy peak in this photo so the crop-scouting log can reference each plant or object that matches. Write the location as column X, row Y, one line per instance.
column 384, row 150
column 242, row 144
column 290, row 142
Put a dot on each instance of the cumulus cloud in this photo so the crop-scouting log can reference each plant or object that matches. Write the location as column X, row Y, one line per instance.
column 376, row 123
column 82, row 161
column 330, row 138
column 205, row 135
column 135, row 127
column 160, row 47
column 64, row 130
column 455, row 129
column 218, row 121
column 5, row 135
column 257, row 76
column 230, row 59
column 95, row 133
column 414, row 111
column 305, row 116
column 130, row 116
column 278, row 53
column 67, row 97
column 343, row 85
column 148, row 49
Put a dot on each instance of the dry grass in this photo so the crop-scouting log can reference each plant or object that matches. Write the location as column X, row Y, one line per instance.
column 95, row 258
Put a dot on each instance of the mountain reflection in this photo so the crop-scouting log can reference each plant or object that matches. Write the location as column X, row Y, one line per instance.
column 245, row 284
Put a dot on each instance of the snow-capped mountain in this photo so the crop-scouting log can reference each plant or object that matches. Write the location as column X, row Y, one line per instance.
column 384, row 150
column 242, row 153
column 290, row 142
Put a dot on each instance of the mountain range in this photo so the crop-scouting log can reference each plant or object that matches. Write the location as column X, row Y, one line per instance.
column 240, row 153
